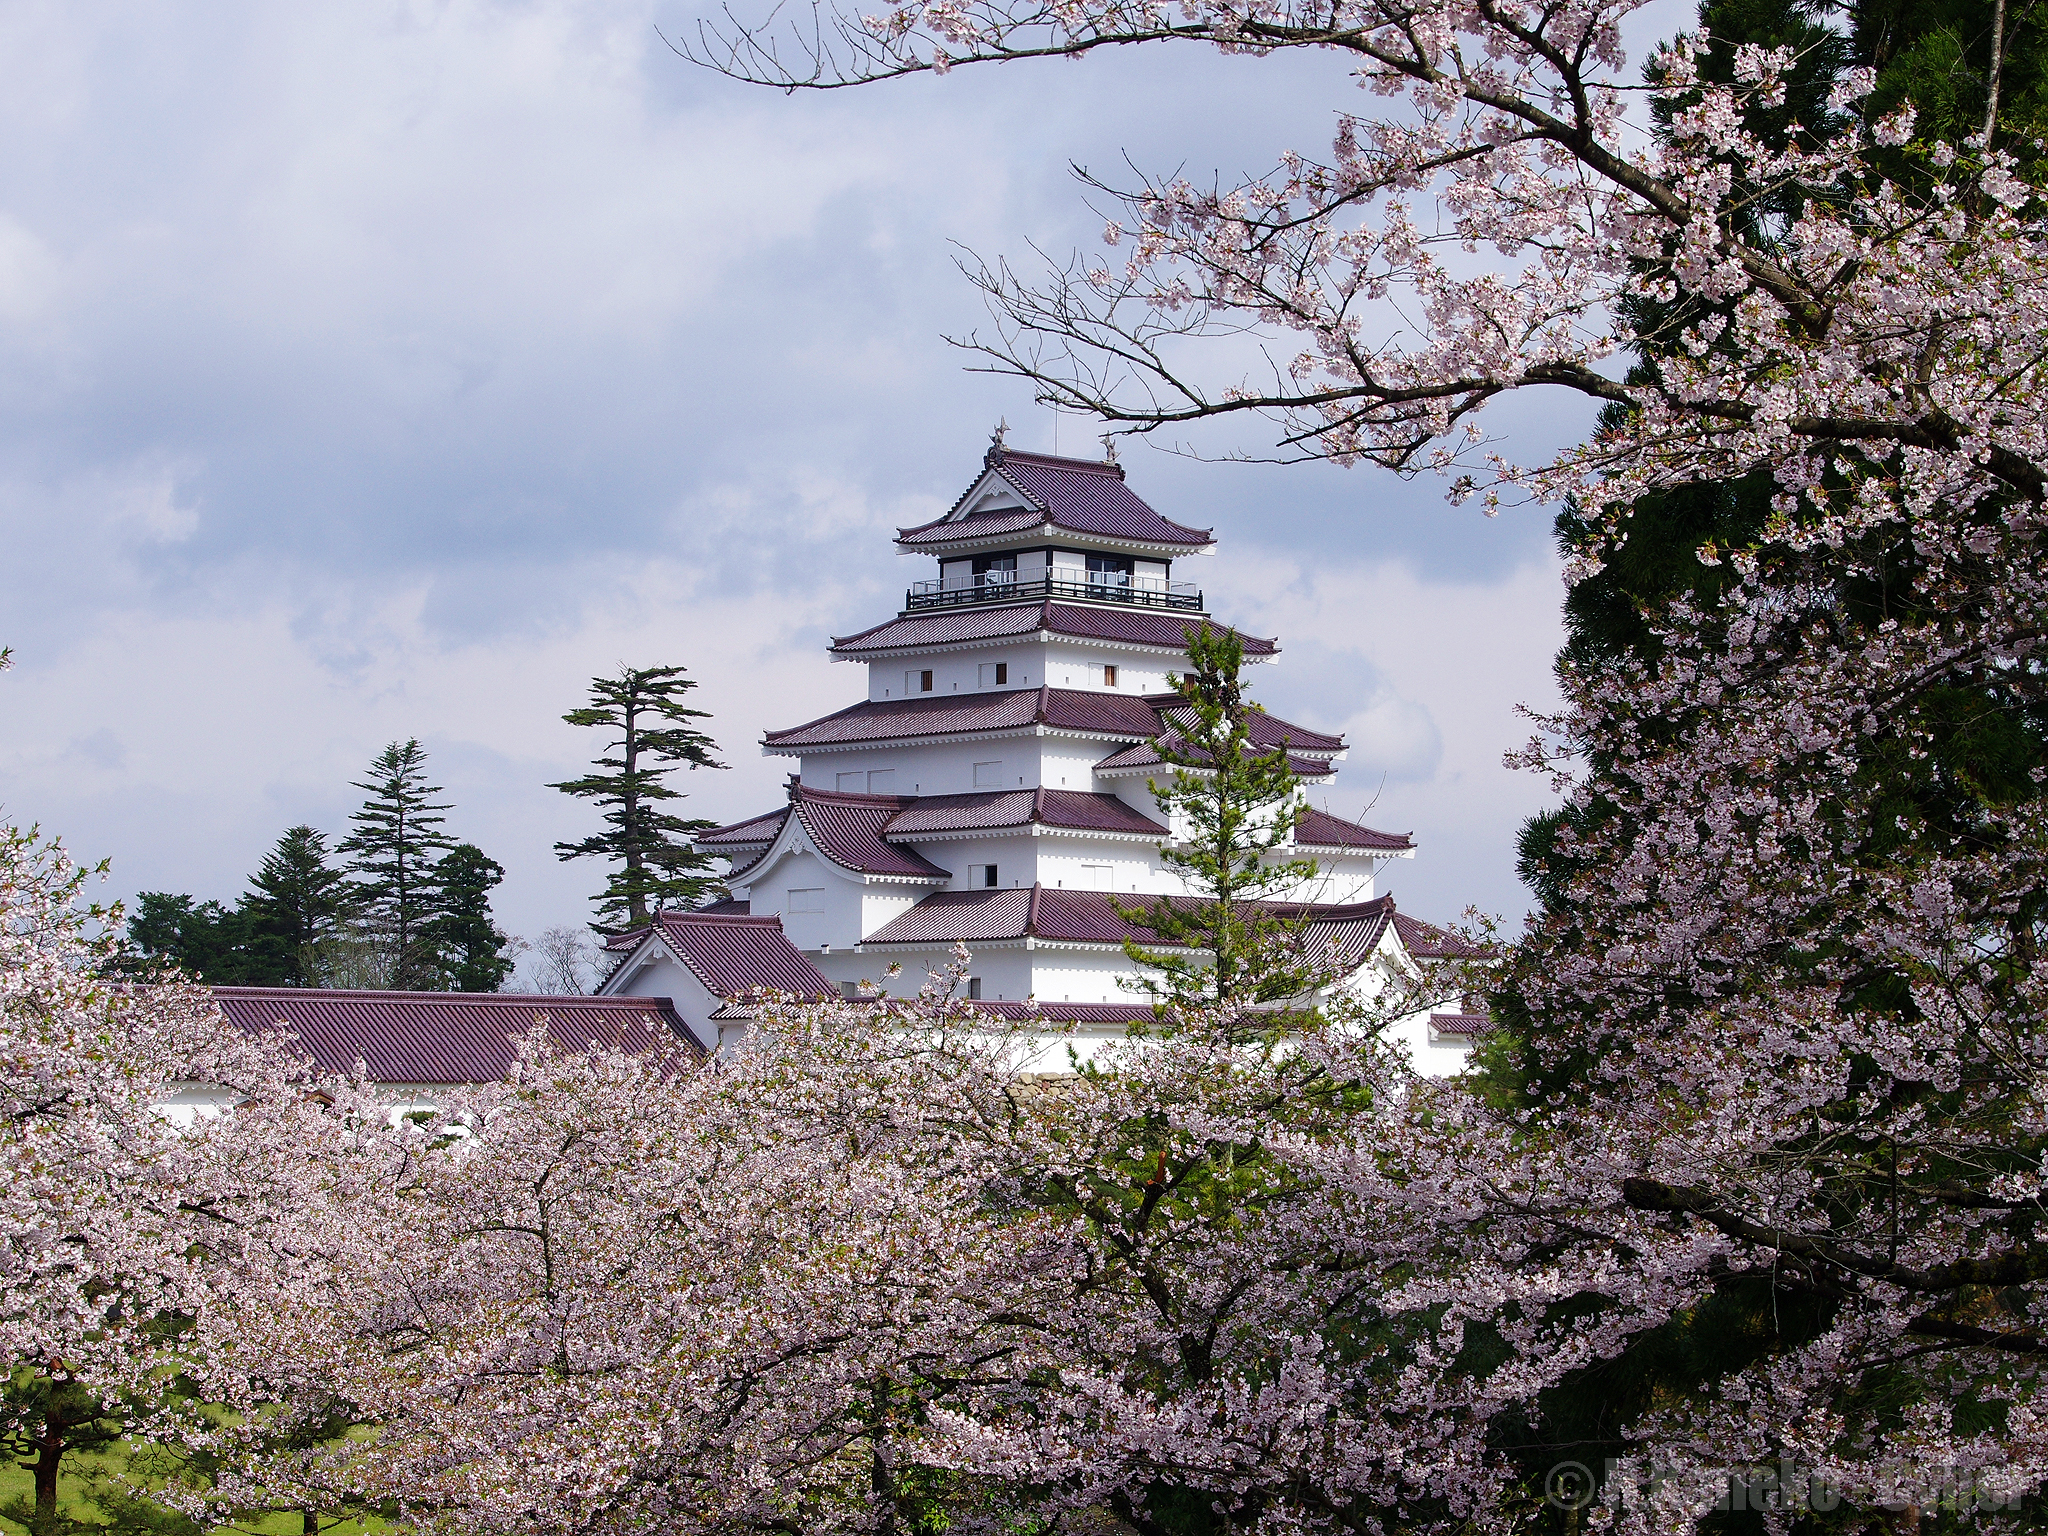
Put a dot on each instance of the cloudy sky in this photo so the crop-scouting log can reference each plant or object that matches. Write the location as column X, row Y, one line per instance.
column 377, row 370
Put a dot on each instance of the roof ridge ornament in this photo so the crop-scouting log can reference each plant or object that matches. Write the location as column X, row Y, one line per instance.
column 1109, row 447
column 996, row 446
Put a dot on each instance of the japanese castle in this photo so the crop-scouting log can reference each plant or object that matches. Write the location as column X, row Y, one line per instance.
column 990, row 790
column 991, row 787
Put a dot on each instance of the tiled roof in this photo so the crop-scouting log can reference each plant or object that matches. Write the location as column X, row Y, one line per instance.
column 1104, row 714
column 756, row 829
column 1143, row 756
column 1082, row 495
column 1425, row 941
column 1166, row 631
column 1091, row 917
column 733, row 953
column 848, row 831
column 1070, row 808
column 1319, row 829
column 446, row 1037
column 1460, row 1023
column 846, row 828
column 1264, row 730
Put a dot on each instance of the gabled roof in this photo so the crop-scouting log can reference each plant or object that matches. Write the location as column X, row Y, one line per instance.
column 845, row 828
column 447, row 1037
column 1073, row 809
column 1319, row 829
column 1144, row 758
column 1080, row 495
column 1079, row 710
column 1136, row 627
column 756, row 829
column 732, row 953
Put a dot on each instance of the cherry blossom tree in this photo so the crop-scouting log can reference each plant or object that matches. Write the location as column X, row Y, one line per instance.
column 154, row 1154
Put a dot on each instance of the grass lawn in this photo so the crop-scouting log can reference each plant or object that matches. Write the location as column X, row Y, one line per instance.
column 17, row 1491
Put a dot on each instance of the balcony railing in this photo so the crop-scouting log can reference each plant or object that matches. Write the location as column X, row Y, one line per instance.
column 1094, row 587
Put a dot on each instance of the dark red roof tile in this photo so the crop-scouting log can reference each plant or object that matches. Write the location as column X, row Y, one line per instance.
column 756, row 829
column 1265, row 730
column 1349, row 930
column 1069, row 808
column 1101, row 714
column 1164, row 631
column 1143, row 755
column 1460, row 1023
column 1319, row 829
column 848, row 830
column 1425, row 941
column 1082, row 495
column 734, row 954
column 446, row 1037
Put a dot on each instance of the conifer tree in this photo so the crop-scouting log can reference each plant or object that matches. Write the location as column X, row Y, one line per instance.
column 470, row 945
column 649, row 734
column 297, row 901
column 1233, row 804
column 393, row 855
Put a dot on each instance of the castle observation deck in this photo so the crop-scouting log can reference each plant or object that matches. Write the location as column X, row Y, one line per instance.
column 1034, row 528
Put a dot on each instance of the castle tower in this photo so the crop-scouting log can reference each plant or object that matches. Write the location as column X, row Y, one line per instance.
column 991, row 786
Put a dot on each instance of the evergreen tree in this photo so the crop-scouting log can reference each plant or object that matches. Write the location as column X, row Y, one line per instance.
column 393, row 851
column 297, row 902
column 469, row 944
column 202, row 938
column 1233, row 805
column 649, row 736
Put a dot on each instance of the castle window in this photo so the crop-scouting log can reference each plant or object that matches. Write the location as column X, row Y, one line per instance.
column 995, row 674
column 918, row 682
column 985, row 876
column 974, row 989
column 988, row 775
column 807, row 901
column 1109, row 677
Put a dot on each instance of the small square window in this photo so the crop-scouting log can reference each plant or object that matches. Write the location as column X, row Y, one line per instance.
column 995, row 674
column 1109, row 677
column 988, row 775
column 807, row 901
column 917, row 682
column 974, row 989
column 985, row 876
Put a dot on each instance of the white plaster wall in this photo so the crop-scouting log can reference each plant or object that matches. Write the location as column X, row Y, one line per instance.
column 881, row 904
column 957, row 671
column 946, row 769
column 838, row 924
column 1431, row 1055
column 1134, row 867
column 1076, row 664
column 1067, row 763
column 1005, row 972
column 659, row 975
column 1081, row 976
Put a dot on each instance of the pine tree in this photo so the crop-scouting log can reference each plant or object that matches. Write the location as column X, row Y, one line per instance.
column 393, row 853
column 201, row 938
column 1233, row 805
column 469, row 945
column 297, row 901
column 656, row 866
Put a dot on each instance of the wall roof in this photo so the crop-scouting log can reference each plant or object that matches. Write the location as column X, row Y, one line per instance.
column 446, row 1037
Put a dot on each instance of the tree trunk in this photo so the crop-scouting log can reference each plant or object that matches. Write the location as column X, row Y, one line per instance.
column 50, row 1452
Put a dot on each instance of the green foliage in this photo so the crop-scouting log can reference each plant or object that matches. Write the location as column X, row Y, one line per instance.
column 470, row 946
column 649, row 735
column 1233, row 805
column 393, row 855
column 296, row 902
